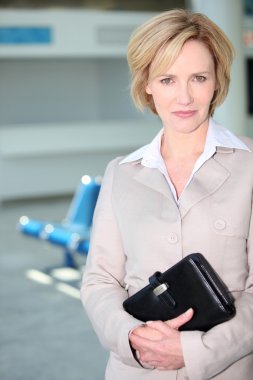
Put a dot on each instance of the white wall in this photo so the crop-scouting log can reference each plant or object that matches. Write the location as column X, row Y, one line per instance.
column 65, row 108
column 228, row 14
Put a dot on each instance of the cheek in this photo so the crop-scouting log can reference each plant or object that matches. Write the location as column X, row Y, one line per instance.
column 161, row 100
column 162, row 95
column 205, row 97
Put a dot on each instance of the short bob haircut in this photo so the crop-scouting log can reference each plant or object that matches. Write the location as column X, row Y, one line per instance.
column 166, row 34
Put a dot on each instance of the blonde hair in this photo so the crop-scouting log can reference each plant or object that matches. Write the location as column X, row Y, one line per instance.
column 166, row 34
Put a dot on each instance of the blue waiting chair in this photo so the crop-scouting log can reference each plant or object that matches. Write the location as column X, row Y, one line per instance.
column 73, row 233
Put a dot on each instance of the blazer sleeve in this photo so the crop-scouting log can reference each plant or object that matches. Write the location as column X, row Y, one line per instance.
column 208, row 354
column 102, row 291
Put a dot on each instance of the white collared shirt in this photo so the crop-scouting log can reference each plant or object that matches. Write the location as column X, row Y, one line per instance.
column 217, row 136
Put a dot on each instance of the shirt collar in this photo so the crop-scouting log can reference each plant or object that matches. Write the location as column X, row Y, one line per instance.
column 217, row 136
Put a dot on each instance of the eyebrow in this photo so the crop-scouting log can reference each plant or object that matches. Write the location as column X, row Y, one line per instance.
column 173, row 75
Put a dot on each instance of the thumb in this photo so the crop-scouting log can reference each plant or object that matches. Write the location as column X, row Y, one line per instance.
column 179, row 321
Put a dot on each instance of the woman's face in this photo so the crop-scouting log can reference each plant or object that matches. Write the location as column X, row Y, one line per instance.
column 182, row 95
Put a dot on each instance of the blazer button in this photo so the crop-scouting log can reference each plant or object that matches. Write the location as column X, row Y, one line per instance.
column 172, row 238
column 220, row 224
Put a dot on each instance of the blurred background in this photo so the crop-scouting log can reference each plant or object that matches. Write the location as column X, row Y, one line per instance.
column 65, row 111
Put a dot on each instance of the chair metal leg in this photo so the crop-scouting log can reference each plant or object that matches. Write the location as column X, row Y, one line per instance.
column 69, row 260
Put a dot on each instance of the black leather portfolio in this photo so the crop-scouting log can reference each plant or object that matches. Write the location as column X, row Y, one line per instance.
column 192, row 282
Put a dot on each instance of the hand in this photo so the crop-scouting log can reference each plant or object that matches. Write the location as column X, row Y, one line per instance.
column 158, row 343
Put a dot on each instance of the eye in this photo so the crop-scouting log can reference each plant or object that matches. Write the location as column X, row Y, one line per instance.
column 200, row 78
column 167, row 80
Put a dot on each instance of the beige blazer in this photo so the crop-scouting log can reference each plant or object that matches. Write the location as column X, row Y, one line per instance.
column 138, row 229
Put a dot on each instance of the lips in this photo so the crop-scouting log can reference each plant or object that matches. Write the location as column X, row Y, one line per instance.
column 184, row 114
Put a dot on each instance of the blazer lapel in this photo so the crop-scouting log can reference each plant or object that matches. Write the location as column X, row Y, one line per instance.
column 208, row 179
column 155, row 180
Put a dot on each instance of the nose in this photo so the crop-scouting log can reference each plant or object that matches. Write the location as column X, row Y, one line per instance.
column 184, row 95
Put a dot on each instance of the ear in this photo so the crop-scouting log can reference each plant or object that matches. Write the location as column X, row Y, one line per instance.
column 148, row 90
column 216, row 85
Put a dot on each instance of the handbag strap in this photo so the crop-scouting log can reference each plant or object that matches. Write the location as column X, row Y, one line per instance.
column 160, row 289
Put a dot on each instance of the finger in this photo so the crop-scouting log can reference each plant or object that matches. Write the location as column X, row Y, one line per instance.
column 162, row 327
column 151, row 364
column 179, row 321
column 147, row 365
column 148, row 333
column 142, row 344
column 174, row 323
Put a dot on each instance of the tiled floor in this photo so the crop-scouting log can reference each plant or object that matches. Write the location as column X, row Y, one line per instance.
column 44, row 332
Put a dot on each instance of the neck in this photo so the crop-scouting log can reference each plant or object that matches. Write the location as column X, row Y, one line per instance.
column 177, row 145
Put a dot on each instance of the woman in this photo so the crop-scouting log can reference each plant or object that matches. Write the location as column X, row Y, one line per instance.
column 189, row 190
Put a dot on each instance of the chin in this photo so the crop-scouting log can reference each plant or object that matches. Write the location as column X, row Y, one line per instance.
column 189, row 125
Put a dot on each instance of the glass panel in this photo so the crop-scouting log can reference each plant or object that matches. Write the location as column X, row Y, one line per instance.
column 250, row 85
column 248, row 7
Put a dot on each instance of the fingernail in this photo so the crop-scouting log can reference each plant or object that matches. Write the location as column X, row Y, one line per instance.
column 137, row 354
column 148, row 322
column 189, row 311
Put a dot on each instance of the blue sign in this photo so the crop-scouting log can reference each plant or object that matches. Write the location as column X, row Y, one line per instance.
column 19, row 35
